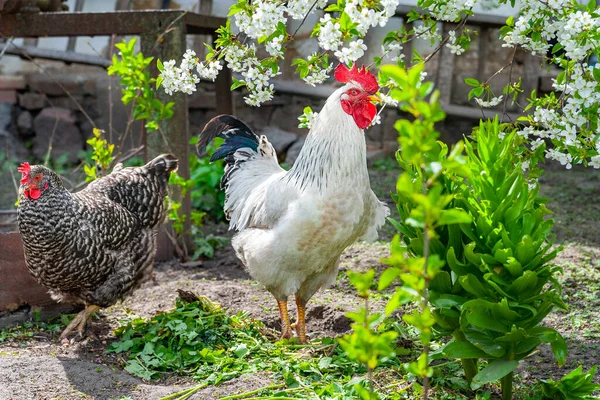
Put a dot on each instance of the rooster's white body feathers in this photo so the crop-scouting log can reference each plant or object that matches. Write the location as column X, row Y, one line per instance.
column 293, row 225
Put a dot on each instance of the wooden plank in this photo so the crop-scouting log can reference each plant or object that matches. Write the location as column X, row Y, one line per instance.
column 491, row 21
column 104, row 23
column 474, row 112
column 56, row 55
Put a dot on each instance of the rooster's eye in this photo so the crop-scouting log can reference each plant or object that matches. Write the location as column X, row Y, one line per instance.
column 353, row 92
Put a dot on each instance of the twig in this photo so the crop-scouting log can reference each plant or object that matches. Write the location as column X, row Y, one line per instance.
column 251, row 392
column 168, row 29
column 445, row 40
column 47, row 158
column 304, row 19
column 512, row 62
column 6, row 45
column 124, row 135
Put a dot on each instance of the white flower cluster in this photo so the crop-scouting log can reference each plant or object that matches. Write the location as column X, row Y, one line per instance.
column 274, row 47
column 450, row 10
column 353, row 52
column 576, row 32
column 426, row 32
column 329, row 34
column 182, row 78
column 263, row 21
column 452, row 45
column 298, row 9
column 316, row 74
column 365, row 17
column 388, row 100
column 393, row 48
column 494, row 101
column 565, row 128
column 572, row 35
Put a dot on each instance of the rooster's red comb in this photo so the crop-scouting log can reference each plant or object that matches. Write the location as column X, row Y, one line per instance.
column 361, row 76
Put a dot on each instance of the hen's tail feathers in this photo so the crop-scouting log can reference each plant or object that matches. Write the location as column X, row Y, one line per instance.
column 162, row 166
column 237, row 136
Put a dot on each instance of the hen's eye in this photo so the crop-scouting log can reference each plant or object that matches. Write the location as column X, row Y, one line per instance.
column 37, row 178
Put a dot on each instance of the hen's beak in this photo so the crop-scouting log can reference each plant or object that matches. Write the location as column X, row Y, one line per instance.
column 374, row 98
column 21, row 190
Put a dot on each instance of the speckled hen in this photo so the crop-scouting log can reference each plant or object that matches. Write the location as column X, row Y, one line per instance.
column 294, row 225
column 94, row 246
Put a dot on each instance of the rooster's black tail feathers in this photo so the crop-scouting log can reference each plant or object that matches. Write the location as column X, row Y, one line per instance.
column 237, row 135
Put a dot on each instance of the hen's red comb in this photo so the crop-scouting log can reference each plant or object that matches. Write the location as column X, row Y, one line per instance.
column 25, row 168
column 361, row 76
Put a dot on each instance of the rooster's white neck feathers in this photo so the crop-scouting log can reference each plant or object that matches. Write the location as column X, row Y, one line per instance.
column 334, row 152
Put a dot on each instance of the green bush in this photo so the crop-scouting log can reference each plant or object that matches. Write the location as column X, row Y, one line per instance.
column 498, row 282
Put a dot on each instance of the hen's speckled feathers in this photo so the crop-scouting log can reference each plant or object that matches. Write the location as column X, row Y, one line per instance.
column 94, row 246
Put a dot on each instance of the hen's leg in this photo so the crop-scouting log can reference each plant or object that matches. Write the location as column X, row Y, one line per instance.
column 286, row 330
column 301, row 321
column 80, row 321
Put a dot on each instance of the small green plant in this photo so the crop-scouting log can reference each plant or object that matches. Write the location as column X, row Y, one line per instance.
column 138, row 86
column 424, row 161
column 576, row 385
column 366, row 343
column 102, row 155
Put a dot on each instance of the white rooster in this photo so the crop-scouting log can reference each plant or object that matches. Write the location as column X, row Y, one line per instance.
column 294, row 225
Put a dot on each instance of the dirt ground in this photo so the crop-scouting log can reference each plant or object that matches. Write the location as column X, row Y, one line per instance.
column 43, row 368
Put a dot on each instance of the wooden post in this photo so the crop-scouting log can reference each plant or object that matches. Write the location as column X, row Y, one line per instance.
column 407, row 48
column 531, row 74
column 445, row 70
column 224, row 97
column 166, row 41
column 483, row 53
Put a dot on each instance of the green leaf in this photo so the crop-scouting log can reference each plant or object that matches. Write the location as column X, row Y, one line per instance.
column 483, row 340
column 596, row 73
column 455, row 350
column 472, row 82
column 494, row 371
column 387, row 277
column 453, row 216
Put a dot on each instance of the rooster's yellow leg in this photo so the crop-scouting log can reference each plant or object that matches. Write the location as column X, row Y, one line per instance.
column 80, row 321
column 286, row 330
column 301, row 322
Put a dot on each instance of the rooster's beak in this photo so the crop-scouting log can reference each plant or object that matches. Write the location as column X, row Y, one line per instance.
column 374, row 98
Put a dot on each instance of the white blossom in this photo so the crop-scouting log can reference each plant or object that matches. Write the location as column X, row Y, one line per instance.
column 494, row 101
column 356, row 50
